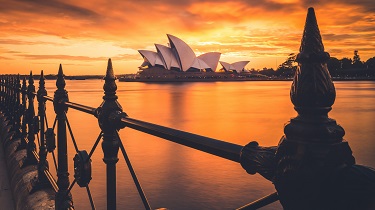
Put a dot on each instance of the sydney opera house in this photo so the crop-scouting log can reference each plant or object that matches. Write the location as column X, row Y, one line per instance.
column 178, row 56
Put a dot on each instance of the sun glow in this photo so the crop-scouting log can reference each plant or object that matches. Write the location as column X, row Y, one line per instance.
column 82, row 36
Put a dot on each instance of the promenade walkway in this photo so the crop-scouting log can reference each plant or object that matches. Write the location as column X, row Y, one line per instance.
column 6, row 197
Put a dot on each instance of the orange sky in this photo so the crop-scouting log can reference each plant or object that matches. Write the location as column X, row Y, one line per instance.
column 82, row 35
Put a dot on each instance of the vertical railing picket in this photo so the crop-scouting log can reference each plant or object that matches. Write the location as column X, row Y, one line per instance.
column 106, row 114
column 17, row 123
column 1, row 91
column 42, row 165
column 30, row 113
column 63, row 198
column 6, row 103
column 10, row 101
column 23, row 143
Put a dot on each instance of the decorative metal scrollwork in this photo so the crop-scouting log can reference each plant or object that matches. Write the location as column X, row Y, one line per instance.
column 50, row 139
column 82, row 168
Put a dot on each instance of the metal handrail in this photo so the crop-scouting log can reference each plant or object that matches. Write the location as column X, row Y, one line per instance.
column 216, row 147
column 213, row 146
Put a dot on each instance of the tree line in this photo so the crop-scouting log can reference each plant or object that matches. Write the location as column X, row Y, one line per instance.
column 341, row 68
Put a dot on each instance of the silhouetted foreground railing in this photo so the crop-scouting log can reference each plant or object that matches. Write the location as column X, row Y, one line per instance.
column 311, row 168
column 113, row 120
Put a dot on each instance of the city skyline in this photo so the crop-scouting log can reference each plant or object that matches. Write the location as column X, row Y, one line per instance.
column 81, row 35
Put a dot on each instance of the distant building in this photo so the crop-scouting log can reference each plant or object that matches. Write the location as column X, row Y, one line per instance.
column 180, row 57
column 237, row 66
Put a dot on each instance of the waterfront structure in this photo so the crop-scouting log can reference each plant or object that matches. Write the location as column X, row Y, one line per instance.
column 180, row 57
column 236, row 66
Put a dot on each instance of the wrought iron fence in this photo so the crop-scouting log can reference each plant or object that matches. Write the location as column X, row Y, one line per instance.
column 111, row 118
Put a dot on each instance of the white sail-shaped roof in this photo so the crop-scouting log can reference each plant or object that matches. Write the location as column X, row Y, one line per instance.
column 167, row 56
column 152, row 57
column 225, row 65
column 185, row 55
column 200, row 64
column 211, row 59
column 237, row 66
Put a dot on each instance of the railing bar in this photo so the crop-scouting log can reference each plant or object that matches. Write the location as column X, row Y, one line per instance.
column 76, row 106
column 70, row 187
column 49, row 98
column 54, row 123
column 51, row 180
column 216, row 147
column 90, row 197
column 95, row 145
column 219, row 148
column 54, row 159
column 80, row 107
column 261, row 202
column 134, row 176
column 71, row 134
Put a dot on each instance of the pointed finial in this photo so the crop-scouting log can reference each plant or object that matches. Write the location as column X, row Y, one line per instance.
column 18, row 80
column 109, row 72
column 60, row 72
column 311, row 39
column 31, row 78
column 42, row 89
column 60, row 82
column 24, row 84
column 312, row 90
column 42, row 80
column 110, row 86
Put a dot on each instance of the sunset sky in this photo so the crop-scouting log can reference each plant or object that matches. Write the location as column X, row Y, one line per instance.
column 82, row 35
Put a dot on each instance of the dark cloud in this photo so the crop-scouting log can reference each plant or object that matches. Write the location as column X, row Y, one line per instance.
column 5, row 58
column 23, row 42
column 77, row 58
column 50, row 7
column 61, row 57
column 340, row 37
column 12, row 52
column 65, row 64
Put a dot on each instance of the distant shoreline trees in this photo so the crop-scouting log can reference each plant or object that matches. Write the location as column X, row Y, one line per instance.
column 341, row 68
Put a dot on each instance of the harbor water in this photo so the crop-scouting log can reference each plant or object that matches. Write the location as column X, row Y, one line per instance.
column 177, row 177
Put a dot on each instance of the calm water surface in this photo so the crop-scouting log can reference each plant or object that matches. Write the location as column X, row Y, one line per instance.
column 177, row 177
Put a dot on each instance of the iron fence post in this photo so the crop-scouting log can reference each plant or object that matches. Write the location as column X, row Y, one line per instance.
column 7, row 95
column 106, row 114
column 63, row 198
column 30, row 113
column 313, row 167
column 17, row 123
column 23, row 113
column 11, row 101
column 1, row 91
column 42, row 165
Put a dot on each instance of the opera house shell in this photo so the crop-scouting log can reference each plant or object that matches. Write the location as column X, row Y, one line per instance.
column 178, row 56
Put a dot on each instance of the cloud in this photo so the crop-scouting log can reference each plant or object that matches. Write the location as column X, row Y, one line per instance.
column 4, row 58
column 46, row 8
column 86, row 31
column 61, row 57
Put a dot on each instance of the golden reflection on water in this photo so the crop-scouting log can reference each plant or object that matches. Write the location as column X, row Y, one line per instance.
column 177, row 177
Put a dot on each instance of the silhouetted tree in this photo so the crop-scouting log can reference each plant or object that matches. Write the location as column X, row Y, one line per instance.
column 288, row 67
column 333, row 65
column 346, row 63
column 268, row 72
column 370, row 65
column 357, row 63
